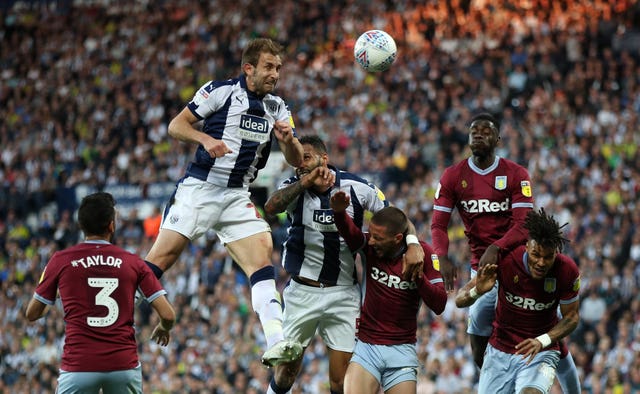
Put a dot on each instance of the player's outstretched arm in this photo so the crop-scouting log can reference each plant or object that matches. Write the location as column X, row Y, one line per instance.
column 351, row 233
column 482, row 283
column 490, row 255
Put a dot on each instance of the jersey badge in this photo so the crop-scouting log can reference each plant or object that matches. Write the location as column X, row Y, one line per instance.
column 464, row 184
column 526, row 188
column 271, row 106
column 203, row 93
column 549, row 285
column 501, row 182
column 435, row 261
column 576, row 284
column 516, row 279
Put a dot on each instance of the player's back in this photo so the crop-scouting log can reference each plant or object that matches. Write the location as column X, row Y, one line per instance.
column 97, row 284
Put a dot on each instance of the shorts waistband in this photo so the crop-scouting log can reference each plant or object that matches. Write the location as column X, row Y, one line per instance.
column 309, row 282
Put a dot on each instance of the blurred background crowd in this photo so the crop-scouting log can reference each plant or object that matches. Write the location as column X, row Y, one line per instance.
column 87, row 89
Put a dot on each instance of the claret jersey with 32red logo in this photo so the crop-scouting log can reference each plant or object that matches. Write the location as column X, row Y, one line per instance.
column 485, row 199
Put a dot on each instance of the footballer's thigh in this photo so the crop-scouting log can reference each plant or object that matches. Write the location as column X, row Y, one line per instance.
column 191, row 211
column 167, row 248
column 406, row 387
column 243, row 231
column 358, row 380
column 252, row 253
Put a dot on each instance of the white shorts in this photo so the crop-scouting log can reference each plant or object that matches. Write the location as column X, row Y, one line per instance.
column 332, row 311
column 199, row 206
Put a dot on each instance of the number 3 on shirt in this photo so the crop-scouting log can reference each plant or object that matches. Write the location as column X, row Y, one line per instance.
column 108, row 286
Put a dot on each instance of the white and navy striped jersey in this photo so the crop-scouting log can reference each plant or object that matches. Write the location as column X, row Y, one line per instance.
column 244, row 121
column 313, row 248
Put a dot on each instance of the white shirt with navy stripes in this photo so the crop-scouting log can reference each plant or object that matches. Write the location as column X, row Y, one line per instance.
column 313, row 248
column 244, row 121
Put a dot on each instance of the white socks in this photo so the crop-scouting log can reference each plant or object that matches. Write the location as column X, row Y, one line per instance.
column 267, row 303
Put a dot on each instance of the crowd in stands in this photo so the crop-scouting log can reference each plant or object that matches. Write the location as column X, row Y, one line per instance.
column 87, row 90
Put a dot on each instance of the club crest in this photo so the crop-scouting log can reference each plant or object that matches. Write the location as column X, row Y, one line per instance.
column 550, row 285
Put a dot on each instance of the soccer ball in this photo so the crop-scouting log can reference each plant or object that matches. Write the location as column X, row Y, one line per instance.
column 375, row 50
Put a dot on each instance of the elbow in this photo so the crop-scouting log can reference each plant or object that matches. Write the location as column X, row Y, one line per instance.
column 31, row 316
column 575, row 320
column 438, row 308
column 171, row 129
column 269, row 209
column 441, row 303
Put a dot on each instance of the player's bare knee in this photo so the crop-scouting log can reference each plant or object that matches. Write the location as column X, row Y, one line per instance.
column 336, row 385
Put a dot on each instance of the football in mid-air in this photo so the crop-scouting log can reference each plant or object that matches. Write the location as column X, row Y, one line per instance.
column 375, row 50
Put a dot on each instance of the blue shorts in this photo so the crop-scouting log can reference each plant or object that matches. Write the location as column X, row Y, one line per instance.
column 509, row 373
column 389, row 364
column 483, row 312
column 114, row 382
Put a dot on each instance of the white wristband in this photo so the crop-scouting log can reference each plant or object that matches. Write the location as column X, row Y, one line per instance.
column 544, row 339
column 473, row 293
column 412, row 239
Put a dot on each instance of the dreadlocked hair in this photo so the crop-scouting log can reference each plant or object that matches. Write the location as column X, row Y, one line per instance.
column 545, row 230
